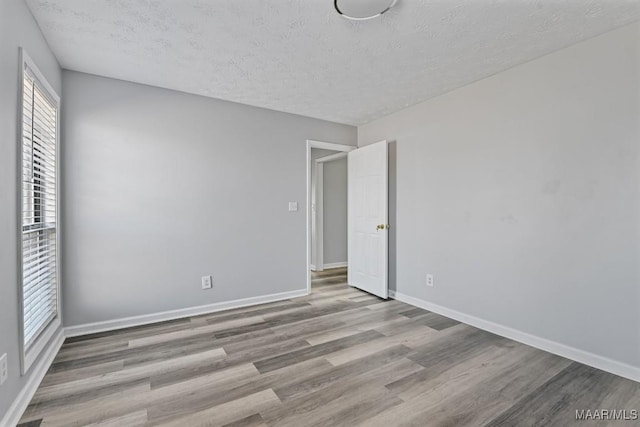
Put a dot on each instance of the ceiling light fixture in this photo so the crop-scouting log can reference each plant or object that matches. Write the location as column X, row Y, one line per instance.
column 360, row 10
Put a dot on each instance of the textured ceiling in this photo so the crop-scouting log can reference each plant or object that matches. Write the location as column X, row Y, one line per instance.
column 299, row 56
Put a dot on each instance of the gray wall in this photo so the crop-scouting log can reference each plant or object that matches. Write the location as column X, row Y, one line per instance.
column 335, row 211
column 17, row 28
column 164, row 187
column 520, row 193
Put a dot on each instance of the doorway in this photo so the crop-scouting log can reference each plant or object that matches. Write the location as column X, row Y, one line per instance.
column 326, row 212
column 368, row 213
column 328, row 218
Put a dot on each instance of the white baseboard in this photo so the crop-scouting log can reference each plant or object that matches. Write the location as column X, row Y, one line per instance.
column 584, row 357
column 19, row 405
column 335, row 265
column 328, row 266
column 127, row 322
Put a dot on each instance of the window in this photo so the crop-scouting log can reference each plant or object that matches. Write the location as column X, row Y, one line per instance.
column 39, row 293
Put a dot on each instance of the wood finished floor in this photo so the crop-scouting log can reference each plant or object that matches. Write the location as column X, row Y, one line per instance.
column 338, row 357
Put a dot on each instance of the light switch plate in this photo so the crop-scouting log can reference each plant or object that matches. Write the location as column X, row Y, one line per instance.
column 293, row 206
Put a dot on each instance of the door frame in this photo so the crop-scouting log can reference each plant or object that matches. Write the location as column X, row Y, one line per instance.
column 327, row 146
column 318, row 263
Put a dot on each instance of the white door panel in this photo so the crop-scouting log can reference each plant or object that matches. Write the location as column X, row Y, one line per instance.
column 368, row 210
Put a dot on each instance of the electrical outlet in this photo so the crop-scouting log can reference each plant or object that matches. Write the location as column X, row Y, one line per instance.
column 207, row 282
column 430, row 280
column 4, row 373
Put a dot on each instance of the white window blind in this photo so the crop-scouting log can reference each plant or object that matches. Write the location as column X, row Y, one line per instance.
column 39, row 205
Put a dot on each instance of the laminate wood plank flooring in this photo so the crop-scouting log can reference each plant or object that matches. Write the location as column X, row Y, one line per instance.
column 337, row 357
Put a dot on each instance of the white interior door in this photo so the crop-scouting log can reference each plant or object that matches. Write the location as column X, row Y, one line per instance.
column 368, row 216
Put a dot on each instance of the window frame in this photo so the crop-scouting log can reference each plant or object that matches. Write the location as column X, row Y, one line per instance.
column 29, row 355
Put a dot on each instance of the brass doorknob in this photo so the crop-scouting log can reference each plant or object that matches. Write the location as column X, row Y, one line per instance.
column 382, row 227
